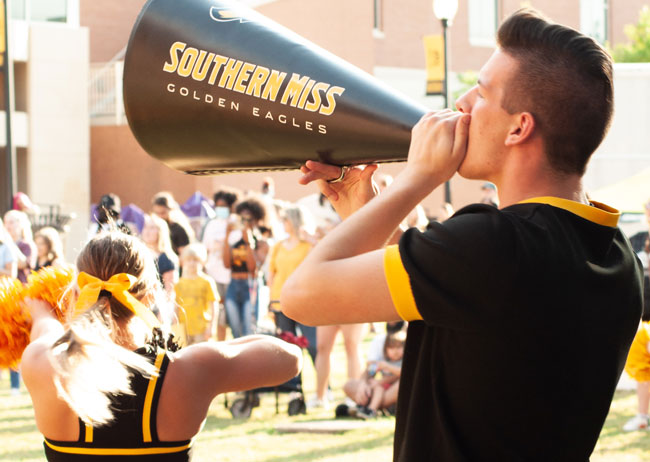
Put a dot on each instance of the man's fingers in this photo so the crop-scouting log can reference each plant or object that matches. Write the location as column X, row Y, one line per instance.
column 367, row 172
column 327, row 190
column 310, row 175
column 329, row 171
column 461, row 136
column 313, row 171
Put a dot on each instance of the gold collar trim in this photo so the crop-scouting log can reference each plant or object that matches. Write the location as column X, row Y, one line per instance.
column 597, row 213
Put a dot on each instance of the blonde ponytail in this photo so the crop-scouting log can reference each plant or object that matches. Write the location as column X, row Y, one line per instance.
column 90, row 366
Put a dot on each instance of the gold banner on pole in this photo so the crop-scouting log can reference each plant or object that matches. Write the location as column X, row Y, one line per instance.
column 434, row 53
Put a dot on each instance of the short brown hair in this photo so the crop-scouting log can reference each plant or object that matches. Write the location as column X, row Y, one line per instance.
column 564, row 79
column 394, row 340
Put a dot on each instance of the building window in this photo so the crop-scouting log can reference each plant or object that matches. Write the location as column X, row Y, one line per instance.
column 61, row 11
column 378, row 23
column 482, row 22
column 593, row 19
column 49, row 10
column 18, row 9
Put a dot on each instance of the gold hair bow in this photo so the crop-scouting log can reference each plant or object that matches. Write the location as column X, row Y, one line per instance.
column 118, row 285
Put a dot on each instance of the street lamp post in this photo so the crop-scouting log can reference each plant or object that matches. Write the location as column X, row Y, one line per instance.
column 445, row 11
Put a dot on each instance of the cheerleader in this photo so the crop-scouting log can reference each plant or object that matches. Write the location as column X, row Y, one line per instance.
column 109, row 384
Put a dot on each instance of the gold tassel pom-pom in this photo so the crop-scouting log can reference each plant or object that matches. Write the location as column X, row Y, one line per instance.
column 50, row 285
column 15, row 324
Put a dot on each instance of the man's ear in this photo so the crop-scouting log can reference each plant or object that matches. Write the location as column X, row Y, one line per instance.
column 522, row 129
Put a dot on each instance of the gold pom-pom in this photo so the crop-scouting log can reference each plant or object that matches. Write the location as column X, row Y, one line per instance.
column 50, row 285
column 15, row 324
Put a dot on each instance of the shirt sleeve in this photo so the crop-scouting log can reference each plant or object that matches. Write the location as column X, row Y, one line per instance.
column 213, row 295
column 165, row 264
column 399, row 284
column 6, row 255
column 456, row 274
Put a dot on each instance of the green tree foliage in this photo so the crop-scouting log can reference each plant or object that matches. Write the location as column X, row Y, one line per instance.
column 466, row 80
column 638, row 50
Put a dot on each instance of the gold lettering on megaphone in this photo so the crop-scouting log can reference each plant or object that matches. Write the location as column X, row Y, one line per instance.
column 251, row 79
column 294, row 89
column 255, row 84
column 202, row 66
column 272, row 85
column 230, row 71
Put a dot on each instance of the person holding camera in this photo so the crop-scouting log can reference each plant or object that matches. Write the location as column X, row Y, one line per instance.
column 243, row 258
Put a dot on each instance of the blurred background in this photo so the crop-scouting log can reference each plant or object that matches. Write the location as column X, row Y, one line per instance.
column 70, row 144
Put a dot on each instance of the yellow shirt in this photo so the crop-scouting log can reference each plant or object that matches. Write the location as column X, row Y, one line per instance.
column 283, row 262
column 638, row 359
column 196, row 296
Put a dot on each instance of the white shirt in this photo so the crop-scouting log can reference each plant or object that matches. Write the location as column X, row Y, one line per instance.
column 214, row 235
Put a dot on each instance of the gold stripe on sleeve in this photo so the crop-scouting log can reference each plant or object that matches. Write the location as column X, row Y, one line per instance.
column 146, row 413
column 117, row 451
column 89, row 434
column 399, row 285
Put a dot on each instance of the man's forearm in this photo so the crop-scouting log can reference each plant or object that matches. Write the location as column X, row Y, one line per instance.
column 373, row 225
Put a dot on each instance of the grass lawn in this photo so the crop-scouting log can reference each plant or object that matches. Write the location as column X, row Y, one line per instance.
column 226, row 439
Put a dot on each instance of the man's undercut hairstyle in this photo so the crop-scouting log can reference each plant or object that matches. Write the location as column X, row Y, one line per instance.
column 564, row 79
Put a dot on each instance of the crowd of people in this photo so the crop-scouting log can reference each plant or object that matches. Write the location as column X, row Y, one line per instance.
column 22, row 251
column 221, row 279
column 224, row 277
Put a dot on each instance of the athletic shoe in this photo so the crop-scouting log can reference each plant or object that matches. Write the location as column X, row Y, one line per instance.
column 366, row 413
column 315, row 402
column 638, row 422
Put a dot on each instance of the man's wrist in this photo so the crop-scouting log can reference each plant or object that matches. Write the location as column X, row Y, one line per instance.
column 417, row 184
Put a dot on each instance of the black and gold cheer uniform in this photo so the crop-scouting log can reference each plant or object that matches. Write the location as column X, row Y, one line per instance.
column 522, row 319
column 133, row 433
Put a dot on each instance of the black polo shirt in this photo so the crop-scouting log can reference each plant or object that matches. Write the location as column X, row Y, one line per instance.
column 521, row 323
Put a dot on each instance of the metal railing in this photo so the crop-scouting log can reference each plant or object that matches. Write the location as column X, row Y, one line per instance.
column 105, row 92
column 51, row 215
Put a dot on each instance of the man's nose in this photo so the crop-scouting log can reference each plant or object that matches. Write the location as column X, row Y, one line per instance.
column 464, row 103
